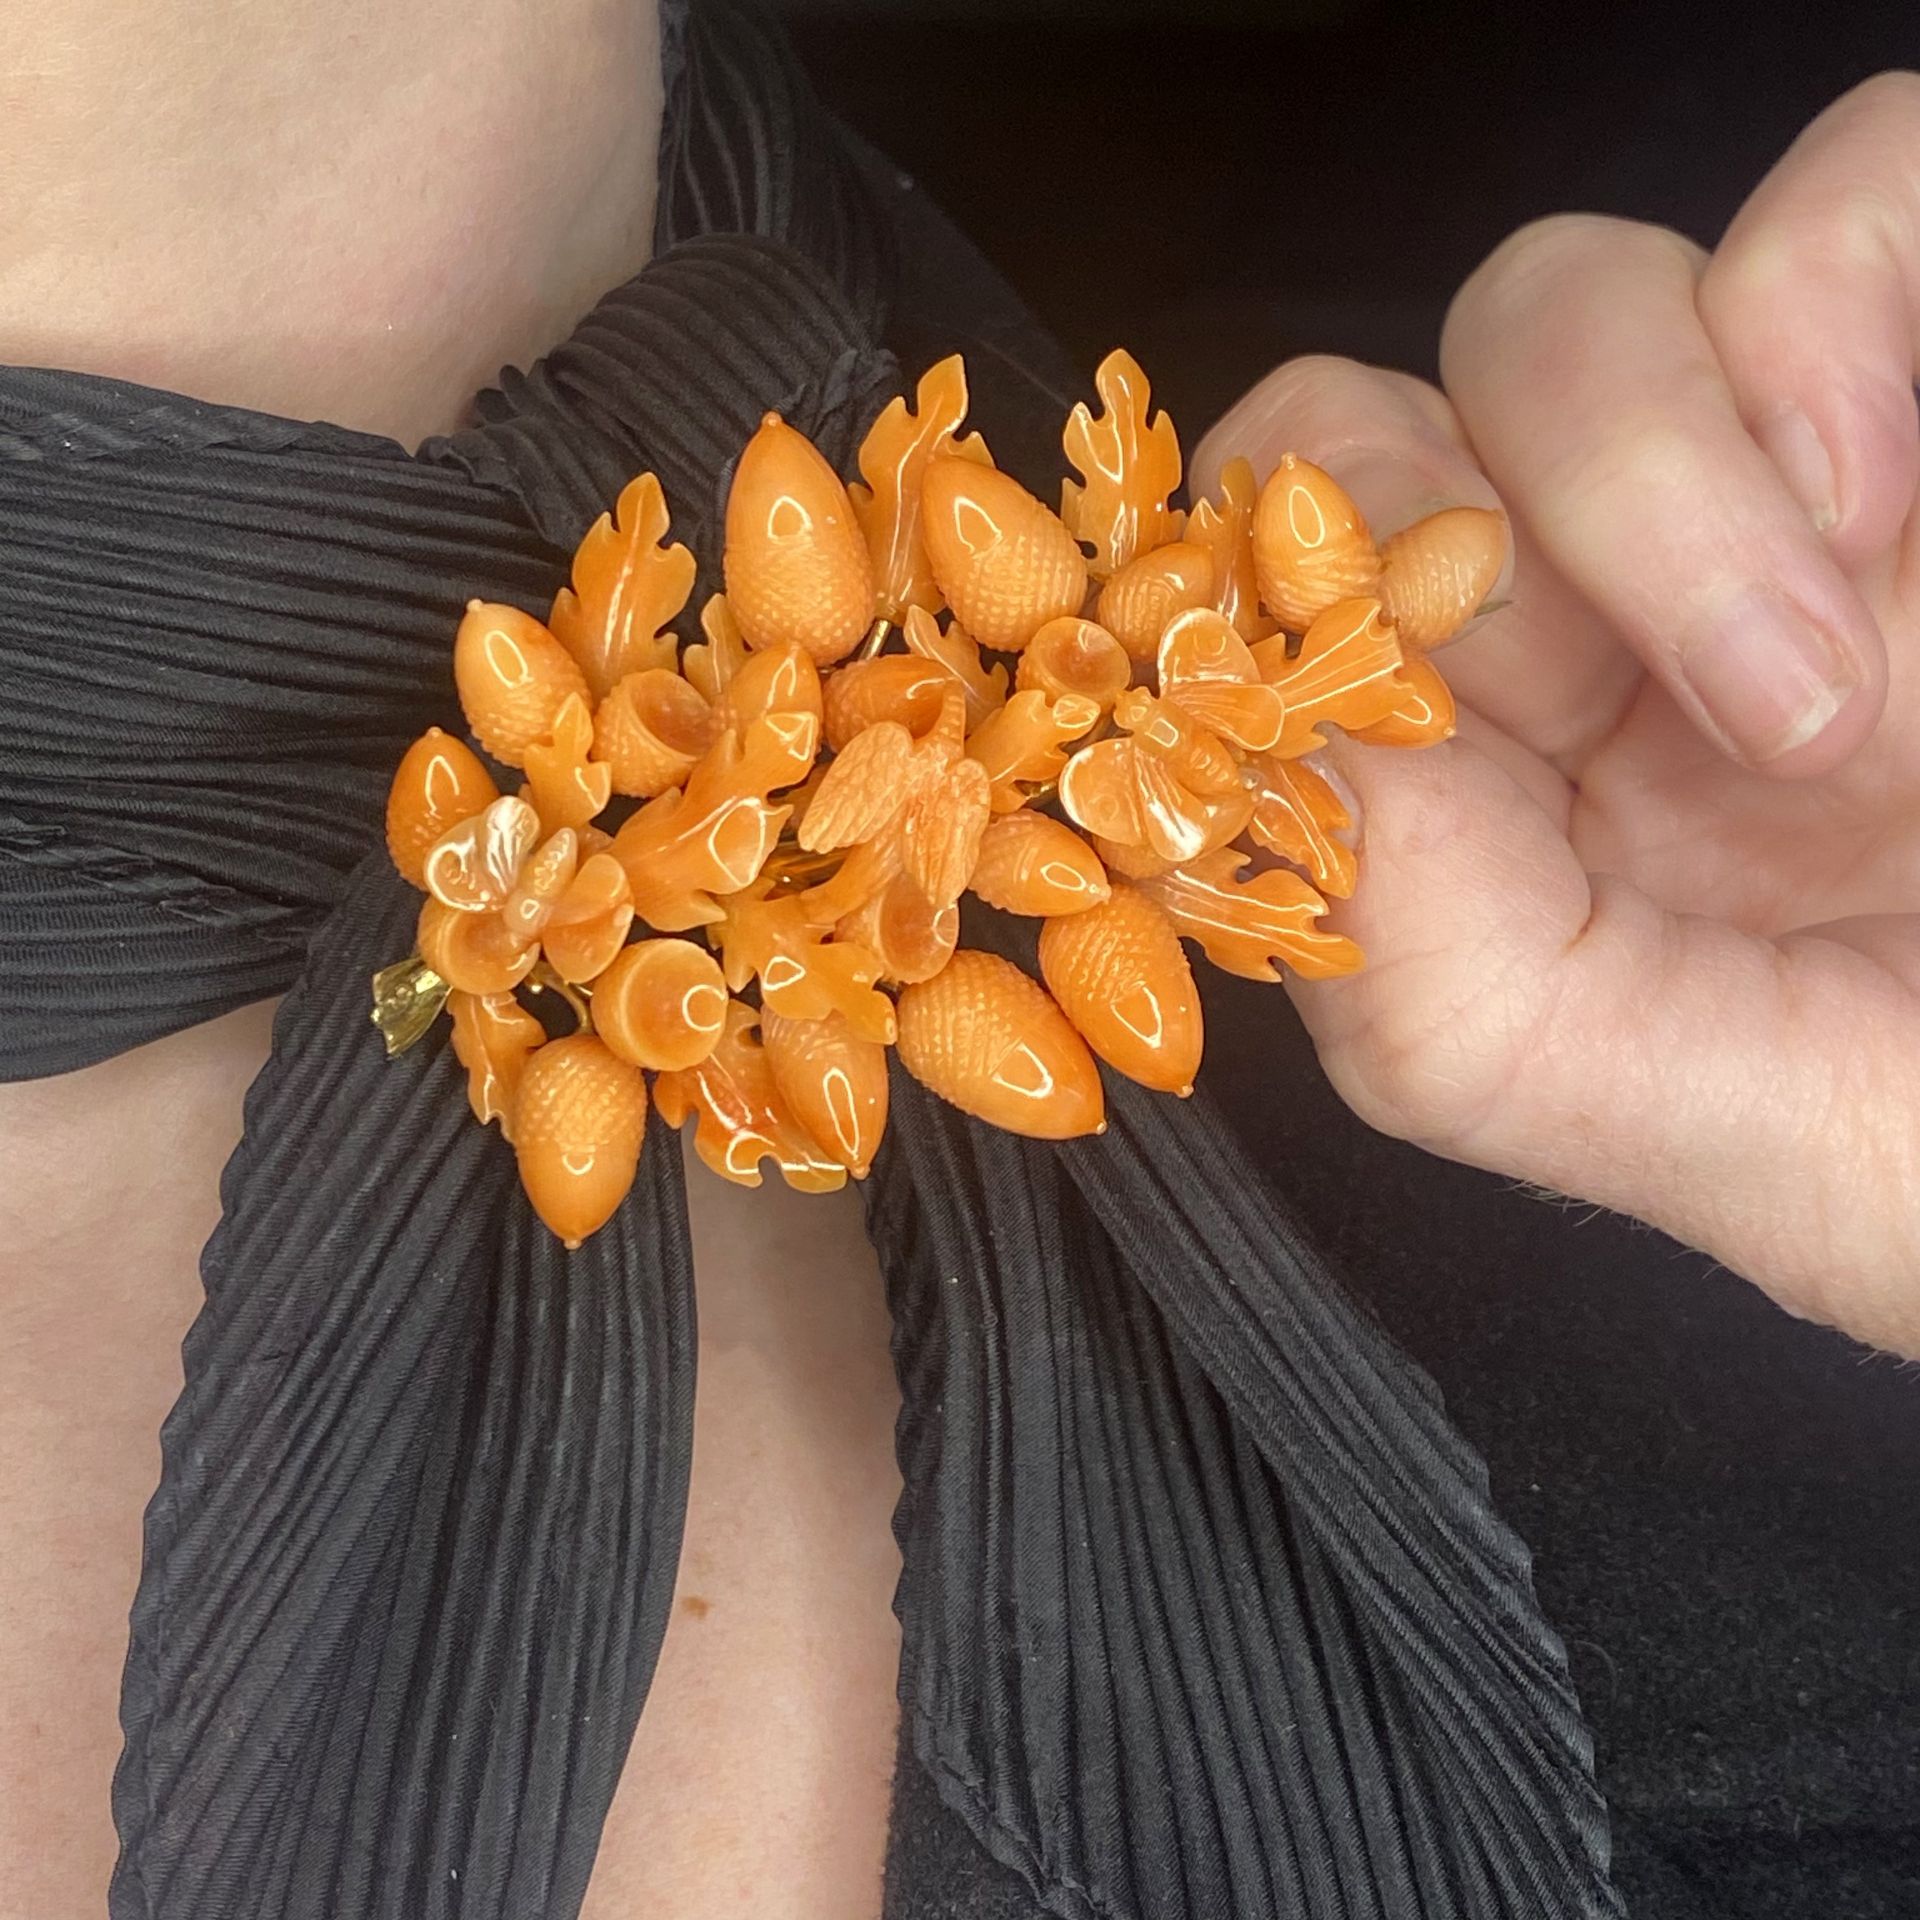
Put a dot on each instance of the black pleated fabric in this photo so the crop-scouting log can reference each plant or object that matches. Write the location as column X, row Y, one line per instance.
column 1206, row 1608
column 413, row 1551
column 1210, row 1611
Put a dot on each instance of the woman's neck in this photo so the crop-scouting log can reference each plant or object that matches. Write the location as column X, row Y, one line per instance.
column 354, row 210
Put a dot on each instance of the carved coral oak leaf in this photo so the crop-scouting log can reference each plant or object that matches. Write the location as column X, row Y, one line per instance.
column 627, row 587
column 1243, row 926
column 1129, row 465
column 893, row 461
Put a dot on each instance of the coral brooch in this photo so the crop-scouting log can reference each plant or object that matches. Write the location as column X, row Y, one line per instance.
column 1108, row 733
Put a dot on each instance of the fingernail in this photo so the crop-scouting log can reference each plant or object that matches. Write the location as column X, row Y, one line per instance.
column 1768, row 678
column 1803, row 462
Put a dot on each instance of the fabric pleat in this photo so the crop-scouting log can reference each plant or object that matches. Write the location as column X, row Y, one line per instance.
column 1207, row 1610
column 1210, row 1610
column 414, row 1547
column 215, row 618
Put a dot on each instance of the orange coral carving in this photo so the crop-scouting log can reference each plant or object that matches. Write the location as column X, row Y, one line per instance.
column 627, row 589
column 1129, row 466
column 893, row 458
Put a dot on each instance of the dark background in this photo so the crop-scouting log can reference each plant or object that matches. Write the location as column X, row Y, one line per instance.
column 1720, row 1499
column 1218, row 184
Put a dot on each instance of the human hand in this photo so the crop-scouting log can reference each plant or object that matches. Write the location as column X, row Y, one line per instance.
column 1647, row 931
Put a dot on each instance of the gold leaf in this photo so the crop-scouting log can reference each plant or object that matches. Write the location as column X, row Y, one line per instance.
column 626, row 588
column 407, row 998
column 1128, row 466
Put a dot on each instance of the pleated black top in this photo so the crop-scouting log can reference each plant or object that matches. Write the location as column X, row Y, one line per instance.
column 1207, row 1607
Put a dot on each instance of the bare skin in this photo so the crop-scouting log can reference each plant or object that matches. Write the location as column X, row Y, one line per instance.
column 188, row 204
column 1650, row 927
column 1650, row 922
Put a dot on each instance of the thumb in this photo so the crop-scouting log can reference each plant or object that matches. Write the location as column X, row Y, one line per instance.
column 1757, row 1099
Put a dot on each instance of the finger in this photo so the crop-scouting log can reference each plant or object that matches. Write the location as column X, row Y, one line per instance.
column 1545, row 668
column 1594, row 400
column 1812, row 301
column 1761, row 1102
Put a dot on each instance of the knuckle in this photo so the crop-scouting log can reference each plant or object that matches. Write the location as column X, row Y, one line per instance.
column 1561, row 257
column 1316, row 403
column 1434, row 1072
column 1316, row 388
column 1647, row 464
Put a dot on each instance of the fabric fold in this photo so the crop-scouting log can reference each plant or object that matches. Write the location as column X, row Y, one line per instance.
column 1207, row 1608
column 412, row 1556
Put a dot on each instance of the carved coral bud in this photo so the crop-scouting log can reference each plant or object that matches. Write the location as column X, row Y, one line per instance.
column 1005, row 564
column 834, row 1083
column 513, row 677
column 474, row 867
column 492, row 1036
column 1225, row 528
column 796, row 563
column 439, row 784
column 893, row 459
column 896, row 687
column 1075, row 656
column 589, row 922
column 1129, row 467
column 1136, row 604
column 1032, row 864
column 984, row 1036
column 1119, row 975
column 661, row 1004
column 1347, row 673
column 1023, row 744
column 910, row 936
column 1243, row 926
column 957, row 654
column 1424, row 714
column 473, row 952
column 579, row 1120
column 650, row 730
column 1311, row 546
column 627, row 588
column 1297, row 815
column 742, row 1118
column 1435, row 574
